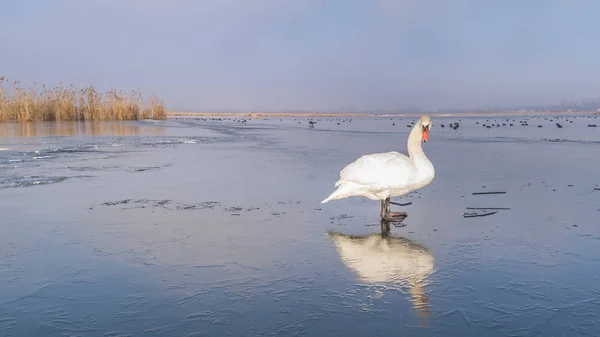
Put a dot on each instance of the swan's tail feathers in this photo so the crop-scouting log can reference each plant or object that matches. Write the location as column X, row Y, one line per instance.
column 338, row 183
column 345, row 189
column 329, row 198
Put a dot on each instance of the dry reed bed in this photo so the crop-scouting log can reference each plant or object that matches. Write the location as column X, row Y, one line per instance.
column 71, row 104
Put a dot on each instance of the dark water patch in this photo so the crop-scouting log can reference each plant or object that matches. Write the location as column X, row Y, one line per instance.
column 48, row 154
column 82, row 148
column 201, row 205
column 28, row 181
column 520, row 140
column 340, row 219
column 361, row 132
column 478, row 140
column 165, row 204
column 342, row 216
column 108, row 147
column 144, row 169
column 168, row 204
column 43, row 157
column 51, row 153
column 114, row 203
column 18, row 158
column 109, row 157
column 148, row 168
column 559, row 140
column 237, row 210
column 10, row 161
column 172, row 141
column 114, row 168
column 288, row 202
column 92, row 168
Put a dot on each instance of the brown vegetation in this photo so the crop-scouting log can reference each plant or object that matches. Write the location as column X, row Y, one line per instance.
column 71, row 104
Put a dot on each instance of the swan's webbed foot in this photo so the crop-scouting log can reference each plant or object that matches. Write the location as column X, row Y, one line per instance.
column 390, row 216
column 397, row 214
column 394, row 216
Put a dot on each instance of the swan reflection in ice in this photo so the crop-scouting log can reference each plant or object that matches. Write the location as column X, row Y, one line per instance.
column 394, row 262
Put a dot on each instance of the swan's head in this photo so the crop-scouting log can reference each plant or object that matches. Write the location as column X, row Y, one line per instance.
column 425, row 123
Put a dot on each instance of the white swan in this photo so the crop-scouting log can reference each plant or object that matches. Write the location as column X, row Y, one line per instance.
column 379, row 176
column 393, row 262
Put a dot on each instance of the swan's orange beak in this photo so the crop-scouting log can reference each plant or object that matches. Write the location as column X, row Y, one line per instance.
column 425, row 136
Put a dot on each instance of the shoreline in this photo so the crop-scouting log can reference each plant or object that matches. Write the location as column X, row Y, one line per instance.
column 172, row 114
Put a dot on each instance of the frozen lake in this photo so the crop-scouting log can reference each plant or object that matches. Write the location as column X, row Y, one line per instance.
column 207, row 227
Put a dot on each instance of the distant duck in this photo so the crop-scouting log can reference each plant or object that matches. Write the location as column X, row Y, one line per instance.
column 379, row 176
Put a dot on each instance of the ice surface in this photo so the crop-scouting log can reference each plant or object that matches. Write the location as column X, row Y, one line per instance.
column 209, row 227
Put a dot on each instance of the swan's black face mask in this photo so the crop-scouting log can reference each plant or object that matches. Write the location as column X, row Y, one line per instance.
column 425, row 136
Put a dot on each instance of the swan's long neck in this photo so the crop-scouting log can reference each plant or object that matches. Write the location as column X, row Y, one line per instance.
column 414, row 143
column 425, row 170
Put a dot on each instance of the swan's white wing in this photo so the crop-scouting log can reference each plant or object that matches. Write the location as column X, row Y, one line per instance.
column 389, row 168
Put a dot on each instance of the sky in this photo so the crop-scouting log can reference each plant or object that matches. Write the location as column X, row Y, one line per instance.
column 310, row 55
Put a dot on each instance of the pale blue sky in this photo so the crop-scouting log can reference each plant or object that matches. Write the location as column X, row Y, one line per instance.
column 325, row 55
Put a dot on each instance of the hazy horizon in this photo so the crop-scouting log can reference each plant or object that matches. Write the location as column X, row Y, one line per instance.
column 309, row 55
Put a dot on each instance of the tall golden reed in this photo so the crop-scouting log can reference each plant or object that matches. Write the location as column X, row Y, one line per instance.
column 69, row 104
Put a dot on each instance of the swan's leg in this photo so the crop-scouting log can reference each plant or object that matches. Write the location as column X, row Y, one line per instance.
column 385, row 228
column 385, row 208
